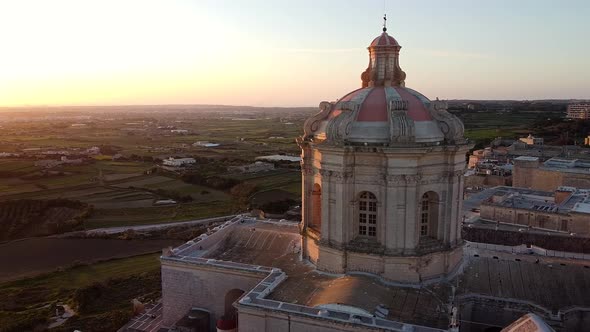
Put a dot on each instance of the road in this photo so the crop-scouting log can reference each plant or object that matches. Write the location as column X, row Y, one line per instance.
column 115, row 230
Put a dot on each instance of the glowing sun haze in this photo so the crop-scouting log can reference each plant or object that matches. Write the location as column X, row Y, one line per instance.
column 285, row 53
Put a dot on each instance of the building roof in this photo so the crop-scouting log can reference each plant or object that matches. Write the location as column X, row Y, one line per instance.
column 567, row 165
column 526, row 158
column 529, row 323
column 534, row 200
column 384, row 40
column 545, row 285
column 373, row 103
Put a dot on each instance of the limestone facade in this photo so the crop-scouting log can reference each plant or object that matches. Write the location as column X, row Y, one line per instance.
column 399, row 179
column 186, row 286
column 530, row 172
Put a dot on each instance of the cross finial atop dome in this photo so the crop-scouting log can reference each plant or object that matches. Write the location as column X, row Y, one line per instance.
column 384, row 22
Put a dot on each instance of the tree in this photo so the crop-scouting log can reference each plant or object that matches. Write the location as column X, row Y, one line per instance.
column 241, row 194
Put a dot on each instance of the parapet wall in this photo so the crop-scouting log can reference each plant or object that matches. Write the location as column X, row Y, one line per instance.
column 397, row 269
column 508, row 238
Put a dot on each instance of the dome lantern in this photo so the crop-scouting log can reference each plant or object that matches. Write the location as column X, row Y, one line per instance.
column 383, row 69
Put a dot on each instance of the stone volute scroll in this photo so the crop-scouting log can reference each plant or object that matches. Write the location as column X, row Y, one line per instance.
column 451, row 127
column 312, row 124
column 402, row 128
column 339, row 127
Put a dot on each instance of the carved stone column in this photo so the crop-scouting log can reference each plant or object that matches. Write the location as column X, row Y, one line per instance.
column 412, row 198
column 396, row 210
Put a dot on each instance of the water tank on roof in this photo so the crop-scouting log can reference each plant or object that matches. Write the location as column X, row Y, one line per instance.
column 227, row 324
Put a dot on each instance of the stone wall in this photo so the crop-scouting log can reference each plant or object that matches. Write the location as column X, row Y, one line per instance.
column 266, row 321
column 487, row 181
column 403, row 269
column 188, row 286
column 508, row 238
column 529, row 174
column 577, row 223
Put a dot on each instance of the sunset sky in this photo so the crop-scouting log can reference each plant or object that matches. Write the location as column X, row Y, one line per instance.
column 285, row 53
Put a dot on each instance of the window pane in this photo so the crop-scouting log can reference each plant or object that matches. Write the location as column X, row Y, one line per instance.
column 372, row 231
column 373, row 206
column 362, row 230
column 372, row 219
column 363, row 206
column 423, row 230
column 367, row 214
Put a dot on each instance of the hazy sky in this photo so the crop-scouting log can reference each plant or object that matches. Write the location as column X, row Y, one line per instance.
column 285, row 53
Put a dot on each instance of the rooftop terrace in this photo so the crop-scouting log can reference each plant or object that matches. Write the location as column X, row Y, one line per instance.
column 534, row 200
column 293, row 285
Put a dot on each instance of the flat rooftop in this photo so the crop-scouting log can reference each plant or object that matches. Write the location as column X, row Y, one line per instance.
column 528, row 199
column 547, row 282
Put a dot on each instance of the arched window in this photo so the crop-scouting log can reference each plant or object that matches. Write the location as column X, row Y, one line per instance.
column 424, row 216
column 316, row 207
column 367, row 214
column 429, row 215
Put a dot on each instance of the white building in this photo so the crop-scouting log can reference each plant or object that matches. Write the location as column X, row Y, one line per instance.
column 177, row 162
column 578, row 111
column 95, row 150
column 258, row 166
column 206, row 144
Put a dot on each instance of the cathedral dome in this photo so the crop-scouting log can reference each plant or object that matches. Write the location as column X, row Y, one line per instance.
column 384, row 110
column 384, row 40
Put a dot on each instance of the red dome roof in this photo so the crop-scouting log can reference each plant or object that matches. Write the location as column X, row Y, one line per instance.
column 384, row 40
column 373, row 107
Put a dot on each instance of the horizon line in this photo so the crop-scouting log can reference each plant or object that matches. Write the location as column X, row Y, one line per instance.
column 255, row 106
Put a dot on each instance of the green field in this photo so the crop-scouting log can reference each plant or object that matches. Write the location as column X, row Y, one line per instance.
column 83, row 275
column 289, row 181
column 485, row 126
column 27, row 303
column 154, row 215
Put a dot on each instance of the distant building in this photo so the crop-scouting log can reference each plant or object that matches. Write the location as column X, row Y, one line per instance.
column 65, row 160
column 531, row 140
column 95, row 150
column 278, row 157
column 495, row 155
column 544, row 152
column 8, row 154
column 258, row 166
column 565, row 210
column 206, row 144
column 179, row 131
column 48, row 163
column 530, row 172
column 177, row 162
column 587, row 140
column 578, row 111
